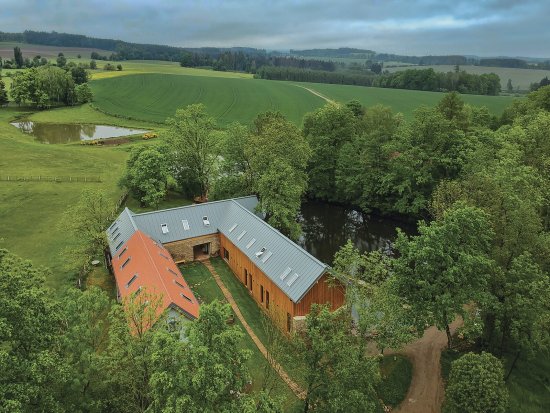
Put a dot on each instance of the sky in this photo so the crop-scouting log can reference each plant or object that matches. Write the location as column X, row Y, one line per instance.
column 413, row 27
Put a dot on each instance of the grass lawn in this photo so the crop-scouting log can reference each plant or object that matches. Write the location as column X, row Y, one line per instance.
column 396, row 373
column 206, row 290
column 30, row 212
column 257, row 319
column 528, row 385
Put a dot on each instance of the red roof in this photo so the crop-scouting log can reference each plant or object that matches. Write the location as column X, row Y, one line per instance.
column 144, row 263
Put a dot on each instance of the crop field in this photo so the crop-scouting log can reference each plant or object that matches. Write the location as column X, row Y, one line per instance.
column 154, row 97
column 404, row 101
column 49, row 52
column 521, row 78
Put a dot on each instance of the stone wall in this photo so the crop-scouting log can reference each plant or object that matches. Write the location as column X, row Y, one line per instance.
column 182, row 251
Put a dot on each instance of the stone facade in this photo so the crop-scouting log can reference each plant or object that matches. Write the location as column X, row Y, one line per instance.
column 182, row 251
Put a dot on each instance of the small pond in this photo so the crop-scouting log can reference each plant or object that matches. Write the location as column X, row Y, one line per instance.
column 326, row 227
column 67, row 132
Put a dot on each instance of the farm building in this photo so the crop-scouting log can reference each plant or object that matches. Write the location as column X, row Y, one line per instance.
column 283, row 278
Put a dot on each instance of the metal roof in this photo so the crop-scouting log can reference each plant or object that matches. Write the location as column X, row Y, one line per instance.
column 288, row 265
column 279, row 255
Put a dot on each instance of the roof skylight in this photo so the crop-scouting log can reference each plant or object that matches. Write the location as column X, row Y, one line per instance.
column 185, row 224
column 164, row 228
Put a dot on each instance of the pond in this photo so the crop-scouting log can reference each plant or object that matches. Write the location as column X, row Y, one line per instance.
column 68, row 132
column 326, row 227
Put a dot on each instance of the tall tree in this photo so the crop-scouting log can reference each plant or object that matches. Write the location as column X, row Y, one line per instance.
column 446, row 266
column 339, row 377
column 146, row 174
column 18, row 57
column 476, row 385
column 194, row 148
column 61, row 60
column 3, row 93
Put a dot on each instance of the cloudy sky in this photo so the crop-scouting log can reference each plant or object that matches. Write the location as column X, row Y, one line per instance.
column 420, row 27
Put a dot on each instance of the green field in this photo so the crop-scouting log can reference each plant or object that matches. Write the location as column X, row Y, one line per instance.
column 520, row 77
column 154, row 97
column 49, row 52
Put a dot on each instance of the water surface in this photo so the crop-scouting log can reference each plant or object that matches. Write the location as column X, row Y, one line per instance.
column 326, row 227
column 70, row 132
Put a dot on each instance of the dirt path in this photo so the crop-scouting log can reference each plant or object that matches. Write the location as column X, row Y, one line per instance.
column 317, row 94
column 298, row 391
column 426, row 392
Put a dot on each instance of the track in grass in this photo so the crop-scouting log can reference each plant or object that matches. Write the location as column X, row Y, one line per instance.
column 155, row 97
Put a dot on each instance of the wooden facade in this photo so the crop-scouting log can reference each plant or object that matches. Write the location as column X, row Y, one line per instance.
column 268, row 295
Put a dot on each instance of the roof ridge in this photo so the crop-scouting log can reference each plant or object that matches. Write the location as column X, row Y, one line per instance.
column 193, row 205
column 130, row 215
column 288, row 240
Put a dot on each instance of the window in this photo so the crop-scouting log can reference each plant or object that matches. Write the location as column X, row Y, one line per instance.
column 187, row 298
column 250, row 278
column 185, row 224
column 266, row 299
column 261, row 293
column 259, row 253
column 129, row 283
column 179, row 284
column 226, row 254
column 119, row 245
column 245, row 277
column 122, row 252
column 241, row 235
column 266, row 256
column 116, row 236
column 138, row 291
column 252, row 241
column 285, row 274
column 288, row 322
column 164, row 228
column 233, row 228
column 125, row 263
column 291, row 281
column 163, row 256
column 205, row 221
column 172, row 271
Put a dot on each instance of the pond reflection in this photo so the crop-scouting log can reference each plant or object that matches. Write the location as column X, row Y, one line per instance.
column 326, row 227
column 70, row 132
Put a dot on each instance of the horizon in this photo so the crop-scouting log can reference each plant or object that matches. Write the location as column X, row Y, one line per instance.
column 420, row 28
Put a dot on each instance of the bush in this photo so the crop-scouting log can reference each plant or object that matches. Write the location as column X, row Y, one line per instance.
column 83, row 93
column 149, row 135
column 396, row 372
column 108, row 66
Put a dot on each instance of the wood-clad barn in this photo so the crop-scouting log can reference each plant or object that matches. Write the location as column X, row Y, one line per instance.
column 283, row 278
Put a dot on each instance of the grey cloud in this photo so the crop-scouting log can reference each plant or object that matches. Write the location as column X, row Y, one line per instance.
column 490, row 27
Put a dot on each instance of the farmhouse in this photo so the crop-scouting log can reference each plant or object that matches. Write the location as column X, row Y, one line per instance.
column 284, row 279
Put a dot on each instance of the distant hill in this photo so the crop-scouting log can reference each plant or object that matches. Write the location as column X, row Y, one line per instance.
column 122, row 50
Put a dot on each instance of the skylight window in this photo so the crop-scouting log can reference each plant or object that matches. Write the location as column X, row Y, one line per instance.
column 252, row 241
column 163, row 256
column 115, row 229
column 164, row 228
column 261, row 252
column 292, row 280
column 125, row 263
column 129, row 283
column 285, row 274
column 205, row 221
column 233, row 227
column 187, row 298
column 179, row 284
column 185, row 224
column 116, row 236
column 119, row 245
column 122, row 252
column 138, row 291
column 172, row 271
column 241, row 235
column 266, row 256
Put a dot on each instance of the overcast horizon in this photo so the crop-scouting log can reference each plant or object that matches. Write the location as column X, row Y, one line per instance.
column 427, row 27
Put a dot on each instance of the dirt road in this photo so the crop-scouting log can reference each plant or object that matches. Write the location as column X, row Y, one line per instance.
column 426, row 392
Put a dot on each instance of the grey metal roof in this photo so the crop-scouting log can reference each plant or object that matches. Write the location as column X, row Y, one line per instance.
column 288, row 265
column 280, row 252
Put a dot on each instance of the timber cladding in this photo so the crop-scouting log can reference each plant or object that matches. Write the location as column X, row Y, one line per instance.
column 270, row 297
column 182, row 251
